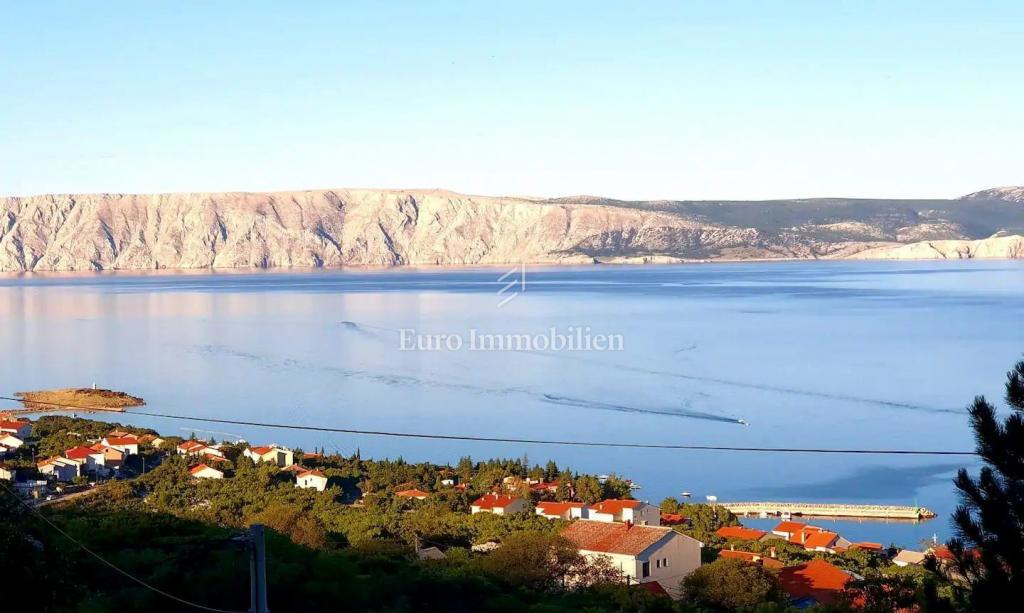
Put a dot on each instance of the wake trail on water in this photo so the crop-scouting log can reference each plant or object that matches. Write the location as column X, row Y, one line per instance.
column 764, row 387
column 604, row 406
column 405, row 381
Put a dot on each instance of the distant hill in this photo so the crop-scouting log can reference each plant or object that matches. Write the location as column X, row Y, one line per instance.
column 357, row 227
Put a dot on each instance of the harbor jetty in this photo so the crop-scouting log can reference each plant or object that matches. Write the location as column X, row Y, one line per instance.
column 827, row 509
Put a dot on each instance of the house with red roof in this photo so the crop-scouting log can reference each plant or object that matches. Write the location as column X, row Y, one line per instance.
column 92, row 460
column 278, row 456
column 19, row 428
column 636, row 512
column 814, row 582
column 740, row 532
column 561, row 510
column 112, row 458
column 673, row 519
column 499, row 504
column 312, row 480
column 418, row 494
column 642, row 554
column 811, row 538
column 760, row 559
column 129, row 445
column 202, row 471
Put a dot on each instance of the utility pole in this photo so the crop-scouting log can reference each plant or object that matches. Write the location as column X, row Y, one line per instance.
column 257, row 570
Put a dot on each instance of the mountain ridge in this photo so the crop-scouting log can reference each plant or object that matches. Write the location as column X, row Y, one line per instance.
column 432, row 226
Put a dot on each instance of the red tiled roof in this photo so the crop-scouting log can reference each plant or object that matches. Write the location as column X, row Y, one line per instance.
column 13, row 425
column 413, row 493
column 613, row 537
column 740, row 532
column 312, row 473
column 122, row 440
column 191, row 445
column 614, row 506
column 753, row 558
column 671, row 519
column 653, row 587
column 199, row 467
column 868, row 546
column 791, row 527
column 819, row 539
column 79, row 453
column 262, row 450
column 493, row 501
column 558, row 508
column 816, row 579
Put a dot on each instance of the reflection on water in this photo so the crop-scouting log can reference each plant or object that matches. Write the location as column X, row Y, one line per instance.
column 871, row 355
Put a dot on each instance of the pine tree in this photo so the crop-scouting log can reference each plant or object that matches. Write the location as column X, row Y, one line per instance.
column 989, row 548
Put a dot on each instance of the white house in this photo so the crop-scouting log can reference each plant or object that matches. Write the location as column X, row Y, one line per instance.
column 311, row 479
column 190, row 448
column 7, row 473
column 93, row 460
column 278, row 456
column 498, row 504
column 202, row 471
column 10, row 441
column 561, row 510
column 21, row 429
column 643, row 554
column 129, row 445
column 61, row 469
column 635, row 511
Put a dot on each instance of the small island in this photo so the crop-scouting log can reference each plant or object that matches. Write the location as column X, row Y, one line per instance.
column 79, row 399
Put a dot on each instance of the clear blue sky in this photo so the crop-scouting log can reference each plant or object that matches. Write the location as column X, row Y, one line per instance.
column 669, row 100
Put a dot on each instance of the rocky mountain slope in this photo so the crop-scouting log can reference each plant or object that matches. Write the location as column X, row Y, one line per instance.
column 434, row 227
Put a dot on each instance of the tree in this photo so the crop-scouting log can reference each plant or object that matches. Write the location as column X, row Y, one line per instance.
column 731, row 584
column 294, row 523
column 551, row 471
column 989, row 548
column 534, row 560
column 588, row 489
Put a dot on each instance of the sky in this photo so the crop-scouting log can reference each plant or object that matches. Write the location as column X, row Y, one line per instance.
column 645, row 100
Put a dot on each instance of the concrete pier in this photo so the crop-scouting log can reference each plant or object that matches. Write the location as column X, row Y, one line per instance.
column 827, row 509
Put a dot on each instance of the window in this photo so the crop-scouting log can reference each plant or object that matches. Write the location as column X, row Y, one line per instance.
column 657, row 564
column 664, row 562
column 645, row 570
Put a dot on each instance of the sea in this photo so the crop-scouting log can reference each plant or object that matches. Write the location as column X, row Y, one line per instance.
column 807, row 355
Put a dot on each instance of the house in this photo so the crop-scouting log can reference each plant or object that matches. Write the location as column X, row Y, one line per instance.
column 811, row 538
column 10, row 441
column 544, row 487
column 112, row 458
column 789, row 529
column 278, row 456
column 642, row 553
column 129, row 445
column 61, row 469
column 211, row 452
column 92, row 460
column 191, row 447
column 741, row 533
column 636, row 512
column 498, row 504
column 413, row 493
column 7, row 473
column 157, row 442
column 202, row 471
column 768, row 561
column 311, row 479
column 294, row 469
column 561, row 510
column 814, row 582
column 906, row 557
column 868, row 546
column 20, row 429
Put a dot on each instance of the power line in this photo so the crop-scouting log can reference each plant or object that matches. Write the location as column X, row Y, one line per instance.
column 524, row 441
column 152, row 588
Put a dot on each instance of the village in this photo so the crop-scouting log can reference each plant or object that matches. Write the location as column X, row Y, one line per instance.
column 648, row 546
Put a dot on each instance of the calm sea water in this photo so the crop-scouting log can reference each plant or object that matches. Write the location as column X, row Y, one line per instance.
column 809, row 354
